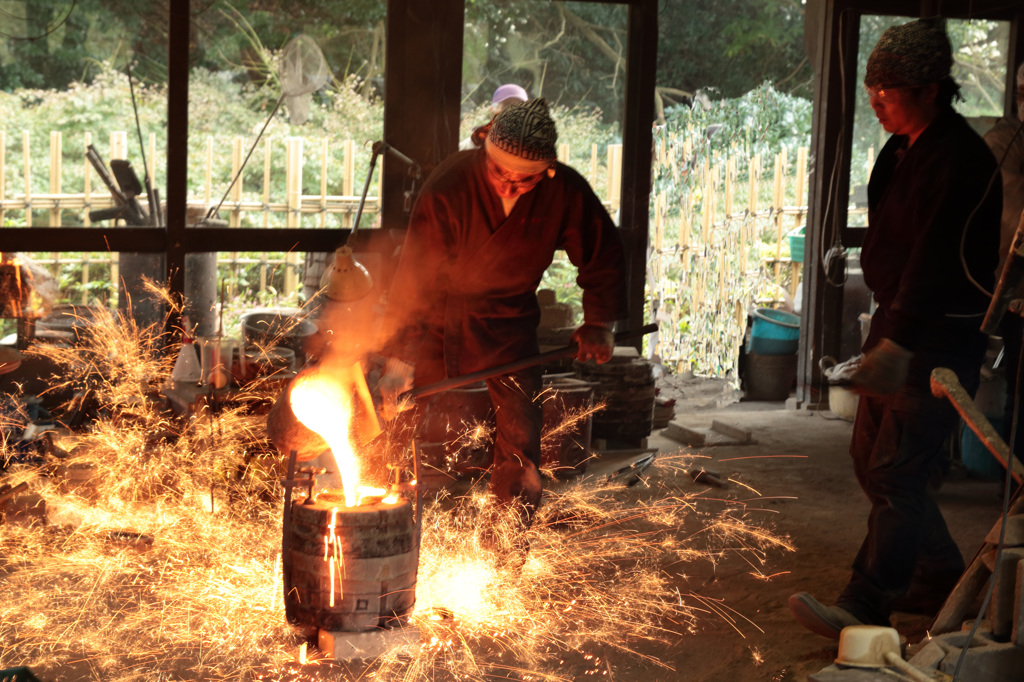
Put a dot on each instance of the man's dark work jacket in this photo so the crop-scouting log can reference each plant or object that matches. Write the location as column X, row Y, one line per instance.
column 468, row 275
column 919, row 207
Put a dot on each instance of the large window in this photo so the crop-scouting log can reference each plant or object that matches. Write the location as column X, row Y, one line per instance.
column 283, row 99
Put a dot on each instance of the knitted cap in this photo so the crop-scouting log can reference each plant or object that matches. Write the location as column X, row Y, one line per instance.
column 526, row 131
column 509, row 91
column 909, row 55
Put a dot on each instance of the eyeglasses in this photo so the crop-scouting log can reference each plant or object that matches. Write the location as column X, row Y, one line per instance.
column 500, row 175
column 883, row 94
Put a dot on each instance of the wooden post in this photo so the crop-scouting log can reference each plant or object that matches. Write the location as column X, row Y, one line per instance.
column 754, row 171
column 119, row 144
column 87, row 195
column 208, row 179
column 293, row 182
column 267, row 167
column 26, row 152
column 614, row 177
column 593, row 164
column 55, row 173
column 323, row 182
column 153, row 165
column 235, row 219
column 3, row 176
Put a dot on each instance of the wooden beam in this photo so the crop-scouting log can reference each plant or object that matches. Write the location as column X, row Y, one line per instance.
column 422, row 97
column 637, row 149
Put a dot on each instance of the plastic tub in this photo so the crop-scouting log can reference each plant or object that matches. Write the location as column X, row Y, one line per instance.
column 774, row 332
column 796, row 244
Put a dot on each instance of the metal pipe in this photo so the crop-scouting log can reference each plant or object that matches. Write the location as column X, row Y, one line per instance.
column 532, row 361
column 945, row 384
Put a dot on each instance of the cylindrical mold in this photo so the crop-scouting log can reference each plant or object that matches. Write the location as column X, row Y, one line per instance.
column 350, row 569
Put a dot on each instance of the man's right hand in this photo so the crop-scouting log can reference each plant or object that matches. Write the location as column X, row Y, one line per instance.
column 397, row 380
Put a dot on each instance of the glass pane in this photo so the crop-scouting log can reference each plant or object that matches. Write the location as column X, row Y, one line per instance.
column 281, row 107
column 59, row 285
column 979, row 53
column 540, row 46
column 64, row 86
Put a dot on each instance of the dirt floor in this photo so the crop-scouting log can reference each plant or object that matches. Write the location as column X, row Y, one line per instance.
column 796, row 478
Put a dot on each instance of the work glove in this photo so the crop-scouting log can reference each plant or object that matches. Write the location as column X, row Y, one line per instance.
column 397, row 379
column 883, row 369
column 594, row 342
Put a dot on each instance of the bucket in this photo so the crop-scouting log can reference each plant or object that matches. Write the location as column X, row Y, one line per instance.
column 350, row 569
column 774, row 332
column 796, row 244
column 281, row 327
column 978, row 459
column 842, row 401
column 566, row 448
column 769, row 377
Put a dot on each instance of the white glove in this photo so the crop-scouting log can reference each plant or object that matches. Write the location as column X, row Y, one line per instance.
column 883, row 369
column 397, row 380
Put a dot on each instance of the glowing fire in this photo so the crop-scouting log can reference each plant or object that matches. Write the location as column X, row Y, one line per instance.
column 605, row 576
column 324, row 399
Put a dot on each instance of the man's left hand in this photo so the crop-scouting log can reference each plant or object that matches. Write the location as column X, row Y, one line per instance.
column 595, row 342
column 883, row 370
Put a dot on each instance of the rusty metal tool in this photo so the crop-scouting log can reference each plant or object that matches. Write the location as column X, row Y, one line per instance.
column 945, row 384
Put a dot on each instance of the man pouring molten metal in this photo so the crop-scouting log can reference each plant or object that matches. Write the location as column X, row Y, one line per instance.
column 482, row 232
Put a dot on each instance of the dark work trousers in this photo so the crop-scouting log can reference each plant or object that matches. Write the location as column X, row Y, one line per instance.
column 519, row 418
column 897, row 448
column 515, row 474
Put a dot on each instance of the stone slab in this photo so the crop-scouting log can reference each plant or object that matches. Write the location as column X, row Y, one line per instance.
column 348, row 646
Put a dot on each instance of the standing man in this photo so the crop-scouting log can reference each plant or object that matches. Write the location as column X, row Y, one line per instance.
column 926, row 198
column 1006, row 139
column 483, row 231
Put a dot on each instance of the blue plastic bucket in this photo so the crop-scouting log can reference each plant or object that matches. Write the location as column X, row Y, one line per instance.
column 774, row 332
column 978, row 459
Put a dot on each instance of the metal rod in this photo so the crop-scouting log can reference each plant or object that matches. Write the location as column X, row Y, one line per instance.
column 366, row 189
column 466, row 379
column 945, row 384
column 286, row 530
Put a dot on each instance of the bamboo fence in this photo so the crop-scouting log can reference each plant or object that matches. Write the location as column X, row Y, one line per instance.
column 714, row 252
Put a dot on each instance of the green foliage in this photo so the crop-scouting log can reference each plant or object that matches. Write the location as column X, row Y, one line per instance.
column 732, row 45
column 703, row 281
column 760, row 123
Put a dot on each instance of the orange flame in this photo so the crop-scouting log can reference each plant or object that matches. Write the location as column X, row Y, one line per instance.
column 324, row 399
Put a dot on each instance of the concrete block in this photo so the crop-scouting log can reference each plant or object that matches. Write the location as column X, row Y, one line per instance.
column 347, row 646
column 835, row 673
column 930, row 657
column 1001, row 610
column 1014, row 536
column 986, row 658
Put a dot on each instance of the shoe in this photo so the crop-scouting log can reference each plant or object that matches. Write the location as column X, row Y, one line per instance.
column 827, row 621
